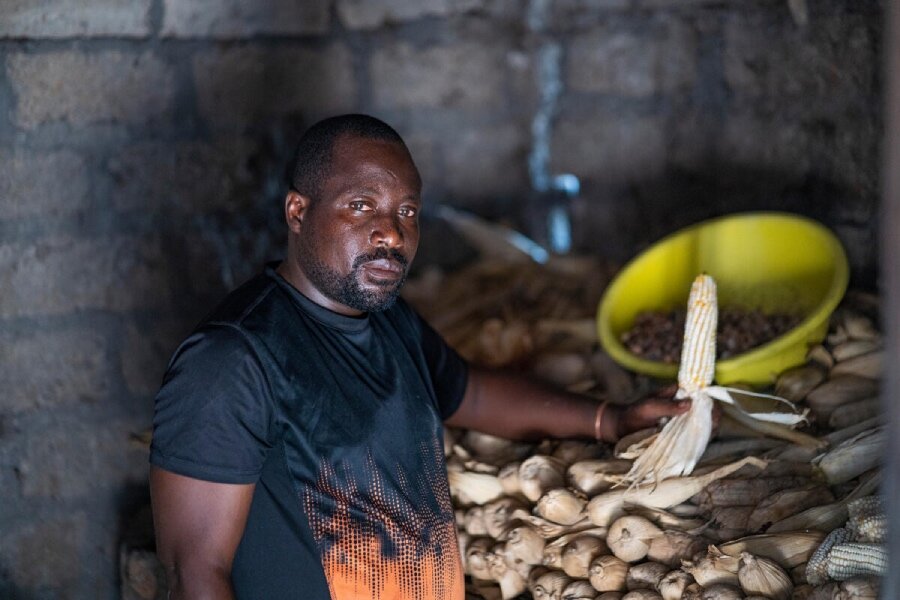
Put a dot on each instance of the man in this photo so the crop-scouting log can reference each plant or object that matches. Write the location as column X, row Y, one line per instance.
column 297, row 448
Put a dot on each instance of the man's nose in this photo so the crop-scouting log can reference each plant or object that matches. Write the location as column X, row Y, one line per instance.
column 386, row 232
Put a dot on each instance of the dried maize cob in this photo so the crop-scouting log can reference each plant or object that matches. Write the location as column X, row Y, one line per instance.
column 677, row 448
column 864, row 507
column 870, row 529
column 698, row 356
column 817, row 565
column 848, row 560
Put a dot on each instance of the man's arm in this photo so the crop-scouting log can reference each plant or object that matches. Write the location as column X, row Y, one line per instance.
column 198, row 527
column 515, row 407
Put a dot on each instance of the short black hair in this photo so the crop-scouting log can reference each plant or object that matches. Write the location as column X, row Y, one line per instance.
column 313, row 157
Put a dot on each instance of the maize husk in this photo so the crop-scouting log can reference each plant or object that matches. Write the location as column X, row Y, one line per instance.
column 821, row 518
column 474, row 488
column 512, row 583
column 607, row 573
column 606, row 507
column 853, row 348
column 834, row 438
column 794, row 384
column 788, row 549
column 785, row 503
column 491, row 449
column 866, row 365
column 550, row 585
column 645, row 576
column 728, row 522
column 721, row 591
column 852, row 457
column 714, row 568
column 859, row 588
column 594, row 476
column 737, row 448
column 857, row 326
column 498, row 513
column 509, row 478
column 642, row 594
column 672, row 586
column 629, row 537
column 579, row 590
column 553, row 550
column 538, row 474
column 798, row 574
column 672, row 547
column 821, row 356
column 850, row 414
column 666, row 520
column 549, row 529
column 745, row 492
column 764, row 577
column 561, row 506
column 573, row 451
column 837, row 391
column 578, row 554
column 524, row 544
column 474, row 521
column 476, row 558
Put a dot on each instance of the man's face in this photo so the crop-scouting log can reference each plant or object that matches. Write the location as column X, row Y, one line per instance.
column 360, row 235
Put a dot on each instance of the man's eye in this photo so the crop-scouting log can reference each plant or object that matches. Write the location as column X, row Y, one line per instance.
column 359, row 205
column 408, row 211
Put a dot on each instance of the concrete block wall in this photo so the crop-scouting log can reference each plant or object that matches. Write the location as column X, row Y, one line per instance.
column 143, row 146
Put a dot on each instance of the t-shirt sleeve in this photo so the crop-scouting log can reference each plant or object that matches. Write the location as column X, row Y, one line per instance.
column 213, row 415
column 449, row 372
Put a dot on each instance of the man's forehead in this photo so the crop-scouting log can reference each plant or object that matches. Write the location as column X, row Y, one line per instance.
column 356, row 158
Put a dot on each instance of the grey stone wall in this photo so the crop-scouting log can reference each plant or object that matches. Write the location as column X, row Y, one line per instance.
column 143, row 145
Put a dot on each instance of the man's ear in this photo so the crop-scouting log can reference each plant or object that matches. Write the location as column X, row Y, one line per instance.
column 295, row 207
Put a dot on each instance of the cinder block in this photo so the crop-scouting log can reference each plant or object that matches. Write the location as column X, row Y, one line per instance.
column 780, row 146
column 486, row 163
column 147, row 351
column 42, row 554
column 42, row 183
column 239, row 87
column 73, row 459
column 85, row 88
column 467, row 75
column 185, row 177
column 74, row 18
column 614, row 60
column 242, row 19
column 62, row 274
column 775, row 66
column 611, row 148
column 371, row 14
column 53, row 368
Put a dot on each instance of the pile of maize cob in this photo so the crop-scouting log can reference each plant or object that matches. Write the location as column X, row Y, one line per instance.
column 758, row 517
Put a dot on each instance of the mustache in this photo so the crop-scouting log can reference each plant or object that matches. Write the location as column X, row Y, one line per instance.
column 380, row 254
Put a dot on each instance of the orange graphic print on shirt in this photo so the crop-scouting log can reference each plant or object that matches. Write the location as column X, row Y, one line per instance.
column 383, row 540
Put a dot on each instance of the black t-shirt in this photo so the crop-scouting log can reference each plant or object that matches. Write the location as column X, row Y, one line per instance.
column 337, row 420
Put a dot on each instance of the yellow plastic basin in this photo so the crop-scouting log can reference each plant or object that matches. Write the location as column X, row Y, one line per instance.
column 774, row 262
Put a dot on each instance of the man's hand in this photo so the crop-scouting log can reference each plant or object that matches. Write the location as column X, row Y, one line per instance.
column 648, row 412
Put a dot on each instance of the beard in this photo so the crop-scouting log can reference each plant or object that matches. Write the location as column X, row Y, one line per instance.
column 346, row 289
